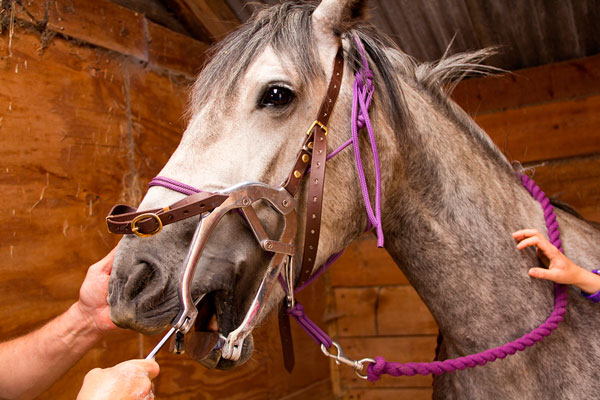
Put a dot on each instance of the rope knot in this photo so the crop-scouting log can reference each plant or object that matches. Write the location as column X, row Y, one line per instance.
column 364, row 77
column 375, row 370
column 297, row 311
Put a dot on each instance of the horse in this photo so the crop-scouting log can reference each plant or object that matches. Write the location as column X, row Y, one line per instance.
column 449, row 202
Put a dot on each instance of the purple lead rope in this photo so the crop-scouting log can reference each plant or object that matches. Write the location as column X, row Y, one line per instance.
column 380, row 366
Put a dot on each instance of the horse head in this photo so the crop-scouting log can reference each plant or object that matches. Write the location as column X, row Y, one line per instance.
column 251, row 107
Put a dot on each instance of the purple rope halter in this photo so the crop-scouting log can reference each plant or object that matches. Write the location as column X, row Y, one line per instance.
column 375, row 370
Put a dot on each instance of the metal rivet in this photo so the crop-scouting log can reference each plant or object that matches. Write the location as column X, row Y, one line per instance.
column 310, row 259
column 305, row 158
column 312, row 231
column 315, row 199
column 318, row 164
column 316, row 181
column 310, row 145
column 321, row 138
column 335, row 86
column 310, row 247
column 297, row 174
column 268, row 245
column 320, row 151
column 314, row 216
column 246, row 201
column 285, row 203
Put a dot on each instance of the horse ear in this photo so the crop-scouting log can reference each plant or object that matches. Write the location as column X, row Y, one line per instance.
column 333, row 17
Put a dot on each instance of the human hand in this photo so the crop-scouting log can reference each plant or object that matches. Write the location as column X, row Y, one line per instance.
column 128, row 380
column 560, row 268
column 93, row 294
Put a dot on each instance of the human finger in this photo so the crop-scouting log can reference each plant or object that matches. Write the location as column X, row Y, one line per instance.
column 149, row 368
column 538, row 240
column 542, row 273
column 530, row 241
column 525, row 233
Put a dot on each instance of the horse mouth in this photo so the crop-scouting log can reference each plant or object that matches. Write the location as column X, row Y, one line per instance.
column 214, row 320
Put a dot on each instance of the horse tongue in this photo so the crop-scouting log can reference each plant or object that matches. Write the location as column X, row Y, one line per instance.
column 204, row 347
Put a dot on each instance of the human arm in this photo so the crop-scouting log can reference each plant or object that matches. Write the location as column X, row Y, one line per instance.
column 33, row 362
column 129, row 380
column 560, row 268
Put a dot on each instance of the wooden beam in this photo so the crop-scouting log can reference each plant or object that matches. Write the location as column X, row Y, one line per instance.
column 207, row 20
column 155, row 11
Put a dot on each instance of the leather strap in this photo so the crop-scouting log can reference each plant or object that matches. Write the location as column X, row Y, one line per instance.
column 285, row 333
column 316, row 181
column 122, row 218
column 315, row 148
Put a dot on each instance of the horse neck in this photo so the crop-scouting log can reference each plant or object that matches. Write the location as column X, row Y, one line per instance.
column 450, row 205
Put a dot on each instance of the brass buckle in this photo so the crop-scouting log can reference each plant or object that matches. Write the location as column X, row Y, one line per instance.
column 315, row 124
column 136, row 230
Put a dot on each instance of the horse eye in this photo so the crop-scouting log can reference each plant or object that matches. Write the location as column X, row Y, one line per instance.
column 276, row 96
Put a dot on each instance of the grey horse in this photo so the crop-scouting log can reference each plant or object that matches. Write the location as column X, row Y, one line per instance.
column 450, row 201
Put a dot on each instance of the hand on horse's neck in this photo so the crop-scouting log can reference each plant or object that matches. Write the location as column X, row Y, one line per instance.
column 455, row 208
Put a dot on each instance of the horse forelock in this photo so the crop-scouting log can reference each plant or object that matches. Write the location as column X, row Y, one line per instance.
column 286, row 28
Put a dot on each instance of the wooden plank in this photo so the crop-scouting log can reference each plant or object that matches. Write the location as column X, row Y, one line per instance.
column 546, row 131
column 31, row 11
column 396, row 349
column 100, row 22
column 574, row 181
column 400, row 311
column 157, row 106
column 59, row 125
column 60, row 119
column 363, row 264
column 355, row 311
column 154, row 10
column 559, row 81
column 318, row 390
column 375, row 393
column 212, row 19
column 174, row 51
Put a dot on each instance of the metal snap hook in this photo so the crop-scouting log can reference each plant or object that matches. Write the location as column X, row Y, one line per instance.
column 340, row 358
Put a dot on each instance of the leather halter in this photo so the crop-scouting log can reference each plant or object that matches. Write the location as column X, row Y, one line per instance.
column 124, row 219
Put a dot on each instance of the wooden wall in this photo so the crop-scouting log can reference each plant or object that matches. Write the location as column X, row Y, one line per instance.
column 546, row 117
column 91, row 104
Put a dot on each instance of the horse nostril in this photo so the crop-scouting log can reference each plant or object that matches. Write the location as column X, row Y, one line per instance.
column 140, row 276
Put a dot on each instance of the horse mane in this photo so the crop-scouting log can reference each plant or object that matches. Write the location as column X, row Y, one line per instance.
column 287, row 28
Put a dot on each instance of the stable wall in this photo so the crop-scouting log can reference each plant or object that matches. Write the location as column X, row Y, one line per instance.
column 546, row 117
column 91, row 103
